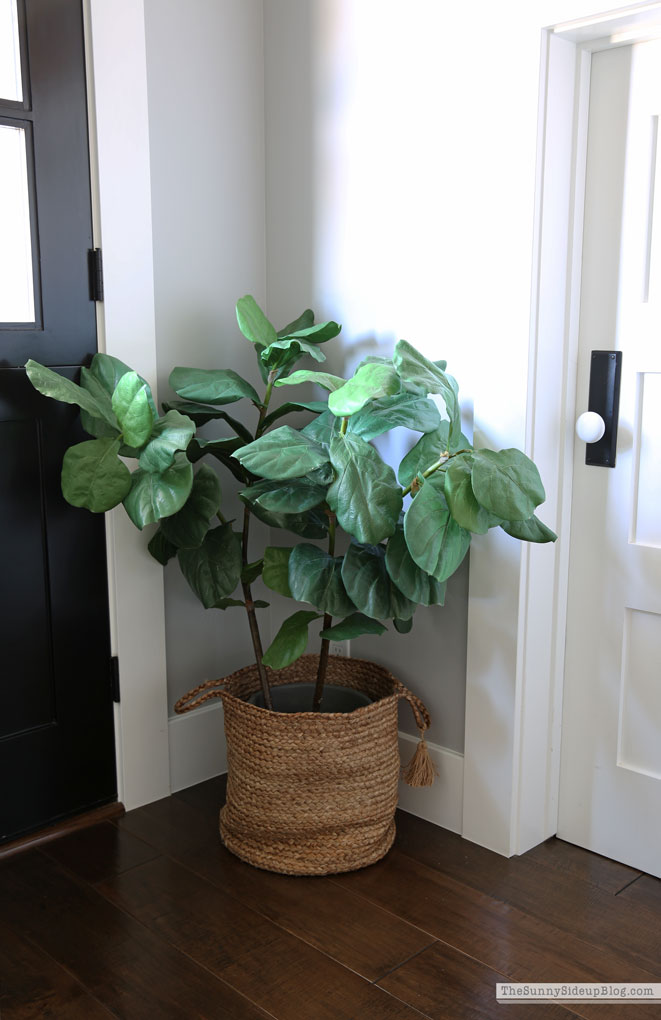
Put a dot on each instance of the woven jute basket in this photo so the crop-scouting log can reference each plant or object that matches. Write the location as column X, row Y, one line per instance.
column 312, row 793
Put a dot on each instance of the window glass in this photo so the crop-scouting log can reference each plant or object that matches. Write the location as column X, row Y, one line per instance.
column 11, row 86
column 16, row 283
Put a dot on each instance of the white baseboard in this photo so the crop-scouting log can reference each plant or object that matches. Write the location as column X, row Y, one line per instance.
column 198, row 752
column 197, row 746
column 441, row 803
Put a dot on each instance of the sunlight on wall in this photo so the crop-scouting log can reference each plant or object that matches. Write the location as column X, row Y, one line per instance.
column 425, row 189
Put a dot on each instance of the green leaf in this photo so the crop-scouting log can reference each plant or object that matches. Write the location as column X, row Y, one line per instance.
column 427, row 451
column 314, row 334
column 187, row 528
column 130, row 403
column 56, row 386
column 423, row 376
column 402, row 409
column 228, row 603
column 160, row 548
column 316, row 577
column 211, row 385
column 532, row 530
column 304, row 320
column 434, row 539
column 369, row 383
column 283, row 453
column 213, row 570
column 461, row 499
column 155, row 495
column 507, row 483
column 418, row 586
column 317, row 406
column 288, row 350
column 352, row 627
column 323, row 379
column 251, row 571
column 93, row 476
column 365, row 495
column 403, row 626
column 311, row 524
column 369, row 585
column 197, row 448
column 169, row 434
column 294, row 495
column 291, row 640
column 322, row 428
column 275, row 572
column 108, row 370
column 253, row 323
column 417, row 371
column 98, row 427
column 201, row 414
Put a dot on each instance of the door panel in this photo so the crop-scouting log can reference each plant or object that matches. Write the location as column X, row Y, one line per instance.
column 56, row 715
column 610, row 790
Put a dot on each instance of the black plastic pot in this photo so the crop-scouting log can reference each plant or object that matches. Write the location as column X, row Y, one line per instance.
column 298, row 698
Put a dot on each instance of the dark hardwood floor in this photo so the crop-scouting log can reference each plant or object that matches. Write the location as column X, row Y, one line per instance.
column 148, row 916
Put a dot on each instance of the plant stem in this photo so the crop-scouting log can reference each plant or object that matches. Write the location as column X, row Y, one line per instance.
column 247, row 593
column 328, row 621
column 343, row 426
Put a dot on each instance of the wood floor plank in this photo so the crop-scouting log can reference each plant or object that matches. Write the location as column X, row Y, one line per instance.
column 33, row 986
column 99, row 852
column 521, row 946
column 208, row 796
column 645, row 892
column 572, row 905
column 285, row 975
column 440, row 848
column 173, row 826
column 126, row 967
column 359, row 935
column 444, row 984
column 576, row 863
column 354, row 932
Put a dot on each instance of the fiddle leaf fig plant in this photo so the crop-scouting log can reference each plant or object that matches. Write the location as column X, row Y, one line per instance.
column 409, row 528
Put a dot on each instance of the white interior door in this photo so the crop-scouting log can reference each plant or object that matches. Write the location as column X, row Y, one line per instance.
column 610, row 783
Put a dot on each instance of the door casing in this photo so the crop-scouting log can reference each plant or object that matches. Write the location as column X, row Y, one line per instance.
column 122, row 227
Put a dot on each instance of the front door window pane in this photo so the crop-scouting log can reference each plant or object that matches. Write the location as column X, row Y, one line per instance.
column 11, row 86
column 16, row 282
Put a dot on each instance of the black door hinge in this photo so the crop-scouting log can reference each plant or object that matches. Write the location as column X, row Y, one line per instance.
column 95, row 265
column 114, row 678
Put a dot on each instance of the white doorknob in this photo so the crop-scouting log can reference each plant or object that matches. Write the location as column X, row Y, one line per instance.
column 590, row 427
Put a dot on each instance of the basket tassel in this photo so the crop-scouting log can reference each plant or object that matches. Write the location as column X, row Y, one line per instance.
column 421, row 770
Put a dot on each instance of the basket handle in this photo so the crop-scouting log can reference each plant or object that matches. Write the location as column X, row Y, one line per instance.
column 420, row 713
column 421, row 770
column 191, row 700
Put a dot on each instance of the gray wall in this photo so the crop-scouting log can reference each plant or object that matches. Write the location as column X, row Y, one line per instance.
column 206, row 133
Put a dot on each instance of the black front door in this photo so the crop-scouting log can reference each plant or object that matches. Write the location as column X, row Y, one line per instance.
column 57, row 753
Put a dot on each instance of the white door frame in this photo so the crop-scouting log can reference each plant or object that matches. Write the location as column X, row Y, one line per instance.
column 520, row 810
column 121, row 200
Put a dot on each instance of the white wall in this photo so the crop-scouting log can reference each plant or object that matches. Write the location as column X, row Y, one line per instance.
column 206, row 136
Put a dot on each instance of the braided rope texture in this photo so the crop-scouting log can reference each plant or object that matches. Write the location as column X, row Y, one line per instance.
column 313, row 793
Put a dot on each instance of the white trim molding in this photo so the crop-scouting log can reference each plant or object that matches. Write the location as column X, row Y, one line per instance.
column 441, row 803
column 120, row 169
column 197, row 746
